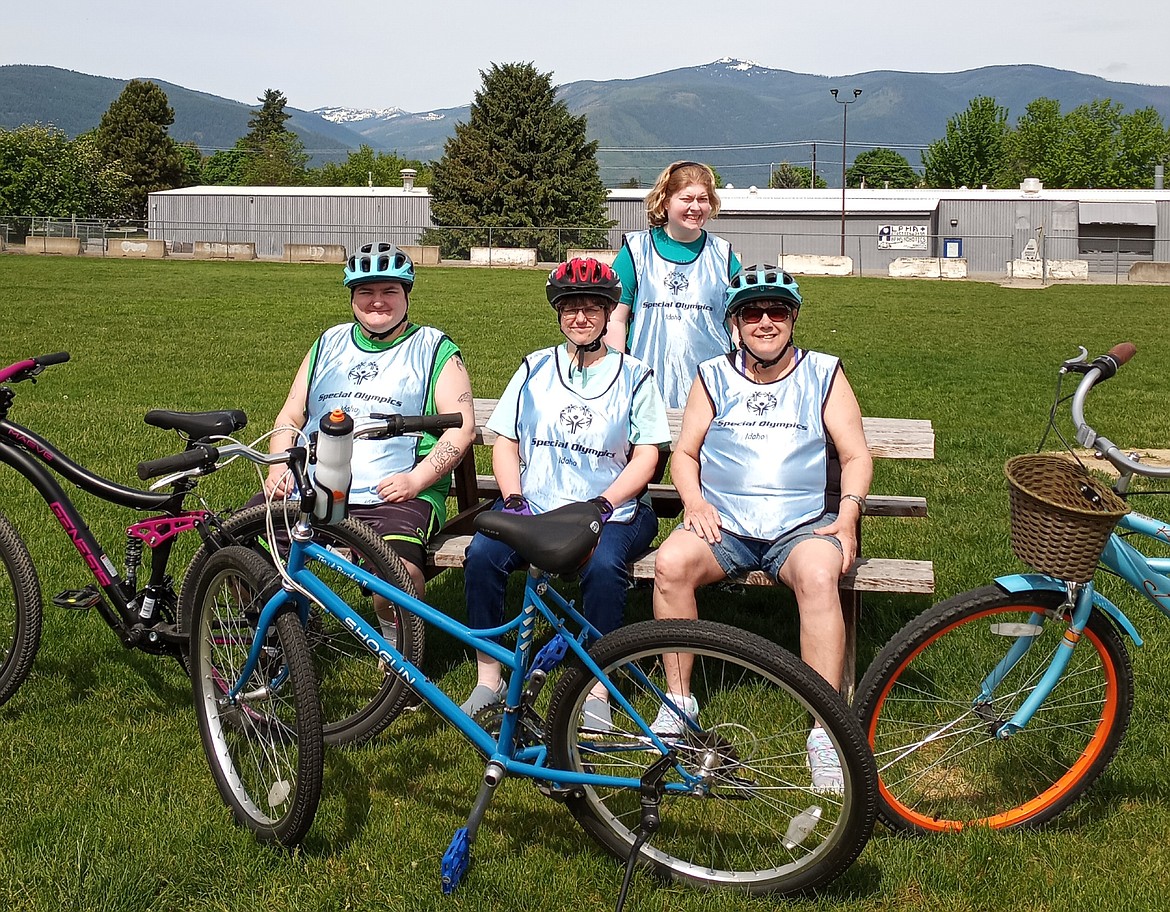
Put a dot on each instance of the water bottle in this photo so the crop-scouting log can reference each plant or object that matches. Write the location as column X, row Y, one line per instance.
column 331, row 477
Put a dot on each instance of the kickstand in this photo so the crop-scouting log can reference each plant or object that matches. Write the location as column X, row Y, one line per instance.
column 650, row 792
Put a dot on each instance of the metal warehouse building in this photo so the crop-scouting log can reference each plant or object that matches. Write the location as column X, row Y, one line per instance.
column 1109, row 229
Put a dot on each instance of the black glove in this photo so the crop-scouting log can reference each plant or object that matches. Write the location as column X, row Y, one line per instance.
column 604, row 506
column 518, row 504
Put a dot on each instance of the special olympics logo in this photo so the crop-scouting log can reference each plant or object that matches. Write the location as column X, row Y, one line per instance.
column 576, row 418
column 676, row 282
column 367, row 370
column 759, row 403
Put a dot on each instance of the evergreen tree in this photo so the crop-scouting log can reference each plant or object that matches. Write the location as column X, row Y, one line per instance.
column 521, row 161
column 133, row 133
column 787, row 176
column 973, row 151
column 225, row 167
column 881, row 168
column 275, row 155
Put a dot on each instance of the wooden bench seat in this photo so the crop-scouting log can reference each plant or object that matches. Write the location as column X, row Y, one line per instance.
column 888, row 438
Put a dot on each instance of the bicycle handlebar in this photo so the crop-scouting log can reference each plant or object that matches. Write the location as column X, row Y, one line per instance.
column 203, row 457
column 1100, row 369
column 30, row 367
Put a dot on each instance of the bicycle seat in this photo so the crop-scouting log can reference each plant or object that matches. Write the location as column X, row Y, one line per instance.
column 559, row 541
column 198, row 425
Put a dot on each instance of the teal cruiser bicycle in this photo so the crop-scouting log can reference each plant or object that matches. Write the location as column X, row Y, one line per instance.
column 720, row 800
column 1001, row 706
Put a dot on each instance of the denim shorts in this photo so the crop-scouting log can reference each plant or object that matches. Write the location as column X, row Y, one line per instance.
column 739, row 556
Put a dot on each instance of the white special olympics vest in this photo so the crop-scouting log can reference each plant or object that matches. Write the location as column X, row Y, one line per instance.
column 763, row 461
column 676, row 321
column 361, row 381
column 573, row 447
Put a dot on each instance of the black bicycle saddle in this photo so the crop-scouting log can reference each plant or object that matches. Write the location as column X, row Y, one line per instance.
column 559, row 541
column 198, row 425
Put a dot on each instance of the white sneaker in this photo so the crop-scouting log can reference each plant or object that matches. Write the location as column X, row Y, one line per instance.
column 824, row 764
column 669, row 723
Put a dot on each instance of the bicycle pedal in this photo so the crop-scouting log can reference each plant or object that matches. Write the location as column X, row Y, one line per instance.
column 455, row 860
column 550, row 655
column 78, row 599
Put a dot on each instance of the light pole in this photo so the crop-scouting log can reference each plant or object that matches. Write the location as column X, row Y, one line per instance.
column 844, row 133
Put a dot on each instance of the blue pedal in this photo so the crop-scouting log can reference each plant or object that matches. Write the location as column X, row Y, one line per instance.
column 551, row 655
column 455, row 859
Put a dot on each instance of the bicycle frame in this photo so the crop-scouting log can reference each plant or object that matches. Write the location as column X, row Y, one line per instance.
column 516, row 759
column 19, row 446
column 1146, row 575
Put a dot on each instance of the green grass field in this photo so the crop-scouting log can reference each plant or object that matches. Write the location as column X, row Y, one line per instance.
column 107, row 802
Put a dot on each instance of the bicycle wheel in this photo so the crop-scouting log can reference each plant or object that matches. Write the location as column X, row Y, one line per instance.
column 20, row 611
column 359, row 696
column 750, row 819
column 940, row 764
column 265, row 748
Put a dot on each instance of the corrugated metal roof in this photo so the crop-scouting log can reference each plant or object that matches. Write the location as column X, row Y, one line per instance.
column 1119, row 213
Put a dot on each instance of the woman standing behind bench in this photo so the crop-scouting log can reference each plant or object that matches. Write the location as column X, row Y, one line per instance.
column 751, row 467
column 674, row 277
column 576, row 422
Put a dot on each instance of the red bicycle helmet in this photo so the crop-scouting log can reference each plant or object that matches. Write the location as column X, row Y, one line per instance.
column 583, row 275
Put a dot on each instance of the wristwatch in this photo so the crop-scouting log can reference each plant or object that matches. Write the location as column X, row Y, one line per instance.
column 860, row 501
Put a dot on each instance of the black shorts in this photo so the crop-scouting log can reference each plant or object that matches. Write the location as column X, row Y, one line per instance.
column 406, row 527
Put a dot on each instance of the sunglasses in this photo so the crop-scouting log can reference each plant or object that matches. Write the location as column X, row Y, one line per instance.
column 777, row 313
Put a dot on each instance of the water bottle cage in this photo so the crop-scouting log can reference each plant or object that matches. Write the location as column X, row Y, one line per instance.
column 330, row 507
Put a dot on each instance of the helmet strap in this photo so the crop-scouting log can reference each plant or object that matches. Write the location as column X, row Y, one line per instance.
column 764, row 364
column 580, row 351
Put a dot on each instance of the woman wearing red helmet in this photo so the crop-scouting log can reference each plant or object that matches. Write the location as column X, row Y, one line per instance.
column 578, row 421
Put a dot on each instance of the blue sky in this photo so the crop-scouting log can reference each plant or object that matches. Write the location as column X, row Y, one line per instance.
column 424, row 56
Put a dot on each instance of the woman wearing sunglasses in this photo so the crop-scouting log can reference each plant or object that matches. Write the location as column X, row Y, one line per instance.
column 674, row 277
column 752, row 469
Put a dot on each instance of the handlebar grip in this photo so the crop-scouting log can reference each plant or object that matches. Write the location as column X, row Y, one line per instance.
column 55, row 358
column 202, row 454
column 413, row 424
column 1109, row 363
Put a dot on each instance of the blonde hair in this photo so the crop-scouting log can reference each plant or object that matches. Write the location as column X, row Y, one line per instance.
column 674, row 178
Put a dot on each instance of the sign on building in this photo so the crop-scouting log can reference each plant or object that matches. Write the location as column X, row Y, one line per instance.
column 903, row 237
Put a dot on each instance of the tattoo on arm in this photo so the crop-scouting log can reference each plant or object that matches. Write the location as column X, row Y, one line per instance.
column 465, row 397
column 444, row 456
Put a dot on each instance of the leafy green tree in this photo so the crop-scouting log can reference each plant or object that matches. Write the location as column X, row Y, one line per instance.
column 225, row 167
column 520, row 160
column 279, row 162
column 192, row 164
column 43, row 173
column 133, row 133
column 276, row 155
column 881, row 168
column 787, row 176
column 1094, row 145
column 972, row 152
column 365, row 166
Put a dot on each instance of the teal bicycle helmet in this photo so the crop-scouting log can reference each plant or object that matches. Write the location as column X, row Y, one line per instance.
column 754, row 283
column 379, row 262
column 762, row 283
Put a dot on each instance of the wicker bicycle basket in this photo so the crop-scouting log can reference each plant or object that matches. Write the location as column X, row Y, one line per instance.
column 1061, row 515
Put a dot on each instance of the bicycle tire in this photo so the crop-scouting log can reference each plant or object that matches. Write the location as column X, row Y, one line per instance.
column 755, row 702
column 266, row 750
column 21, row 611
column 359, row 696
column 940, row 766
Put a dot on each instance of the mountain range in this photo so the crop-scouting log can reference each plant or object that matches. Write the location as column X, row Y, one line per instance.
column 741, row 117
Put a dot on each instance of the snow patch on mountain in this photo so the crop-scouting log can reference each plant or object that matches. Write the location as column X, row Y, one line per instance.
column 341, row 115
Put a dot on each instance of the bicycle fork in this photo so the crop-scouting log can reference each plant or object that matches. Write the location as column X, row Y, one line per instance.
column 1080, row 596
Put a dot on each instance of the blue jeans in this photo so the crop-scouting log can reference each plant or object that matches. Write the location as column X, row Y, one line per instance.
column 604, row 579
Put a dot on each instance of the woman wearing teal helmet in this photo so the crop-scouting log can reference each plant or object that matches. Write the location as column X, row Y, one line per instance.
column 381, row 362
column 752, row 469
